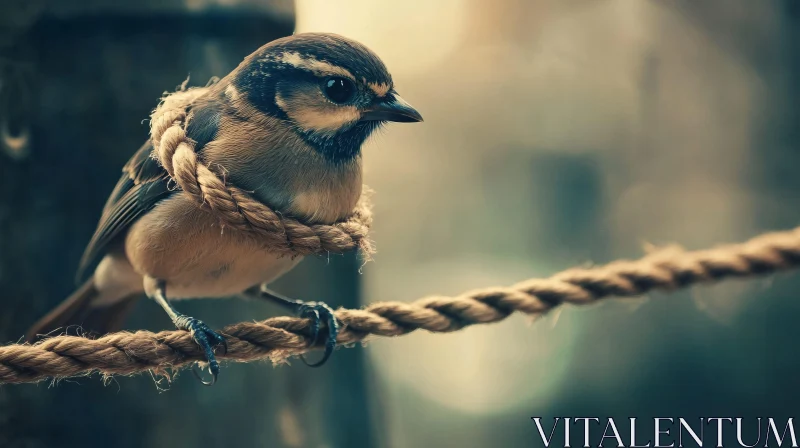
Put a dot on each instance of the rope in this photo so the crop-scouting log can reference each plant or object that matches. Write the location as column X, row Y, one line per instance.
column 277, row 338
column 235, row 207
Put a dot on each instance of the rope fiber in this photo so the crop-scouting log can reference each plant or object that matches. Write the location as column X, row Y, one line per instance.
column 671, row 268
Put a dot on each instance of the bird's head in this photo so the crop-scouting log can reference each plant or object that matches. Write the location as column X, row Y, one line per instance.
column 333, row 91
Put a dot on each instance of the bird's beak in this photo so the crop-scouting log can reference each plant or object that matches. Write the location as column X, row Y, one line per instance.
column 391, row 108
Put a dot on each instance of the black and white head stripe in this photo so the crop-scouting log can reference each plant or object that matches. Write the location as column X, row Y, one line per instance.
column 329, row 54
column 308, row 56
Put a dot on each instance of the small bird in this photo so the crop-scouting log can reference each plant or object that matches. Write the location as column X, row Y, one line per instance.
column 287, row 125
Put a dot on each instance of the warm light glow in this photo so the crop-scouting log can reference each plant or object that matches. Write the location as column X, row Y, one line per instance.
column 479, row 370
column 410, row 37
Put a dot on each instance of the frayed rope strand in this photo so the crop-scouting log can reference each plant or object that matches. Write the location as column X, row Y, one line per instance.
column 277, row 338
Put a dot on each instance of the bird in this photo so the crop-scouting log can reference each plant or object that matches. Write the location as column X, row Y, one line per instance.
column 288, row 125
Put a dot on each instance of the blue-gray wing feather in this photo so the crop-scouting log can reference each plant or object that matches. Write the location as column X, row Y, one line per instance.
column 142, row 185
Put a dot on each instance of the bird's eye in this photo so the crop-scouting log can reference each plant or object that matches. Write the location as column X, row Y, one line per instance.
column 339, row 90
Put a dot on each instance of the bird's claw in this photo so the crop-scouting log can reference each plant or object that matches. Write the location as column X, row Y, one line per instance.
column 208, row 340
column 317, row 311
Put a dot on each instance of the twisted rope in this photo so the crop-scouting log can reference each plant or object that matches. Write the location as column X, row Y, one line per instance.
column 235, row 207
column 277, row 338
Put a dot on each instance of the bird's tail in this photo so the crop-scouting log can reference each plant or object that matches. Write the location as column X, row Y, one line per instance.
column 84, row 312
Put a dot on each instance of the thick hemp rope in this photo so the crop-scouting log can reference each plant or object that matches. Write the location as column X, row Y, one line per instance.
column 277, row 338
column 235, row 207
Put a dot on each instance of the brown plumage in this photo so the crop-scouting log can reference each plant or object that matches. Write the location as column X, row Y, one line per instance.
column 286, row 125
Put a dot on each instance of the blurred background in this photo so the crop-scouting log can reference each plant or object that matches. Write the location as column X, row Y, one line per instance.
column 557, row 133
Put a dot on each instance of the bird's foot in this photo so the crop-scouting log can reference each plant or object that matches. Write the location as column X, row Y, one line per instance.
column 207, row 339
column 317, row 312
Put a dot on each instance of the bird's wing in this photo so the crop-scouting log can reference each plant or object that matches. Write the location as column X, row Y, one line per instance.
column 142, row 185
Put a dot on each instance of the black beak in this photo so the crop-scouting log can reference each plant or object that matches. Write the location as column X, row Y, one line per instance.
column 392, row 108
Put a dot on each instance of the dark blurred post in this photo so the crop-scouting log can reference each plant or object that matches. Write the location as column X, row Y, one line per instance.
column 94, row 70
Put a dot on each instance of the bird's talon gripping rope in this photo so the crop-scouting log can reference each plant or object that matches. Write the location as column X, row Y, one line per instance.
column 316, row 311
column 208, row 340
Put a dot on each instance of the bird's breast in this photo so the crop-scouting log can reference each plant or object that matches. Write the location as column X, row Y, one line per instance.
column 186, row 247
column 327, row 204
